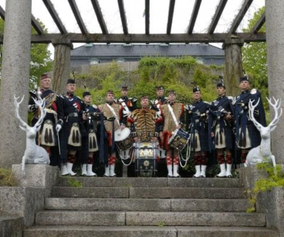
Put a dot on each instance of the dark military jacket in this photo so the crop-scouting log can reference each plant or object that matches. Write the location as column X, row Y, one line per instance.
column 218, row 110
column 196, row 121
column 242, row 116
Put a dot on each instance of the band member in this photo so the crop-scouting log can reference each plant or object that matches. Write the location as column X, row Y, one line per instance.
column 145, row 121
column 160, row 99
column 93, row 114
column 47, row 137
column 196, row 122
column 73, row 137
column 172, row 114
column 247, row 135
column 156, row 104
column 221, row 129
column 129, row 104
column 114, row 121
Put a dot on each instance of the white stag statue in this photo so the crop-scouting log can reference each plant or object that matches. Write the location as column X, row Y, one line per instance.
column 34, row 154
column 262, row 153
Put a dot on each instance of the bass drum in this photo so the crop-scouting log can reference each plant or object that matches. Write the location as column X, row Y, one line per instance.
column 179, row 139
column 146, row 154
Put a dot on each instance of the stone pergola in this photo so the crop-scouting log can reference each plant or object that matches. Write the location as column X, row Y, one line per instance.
column 17, row 40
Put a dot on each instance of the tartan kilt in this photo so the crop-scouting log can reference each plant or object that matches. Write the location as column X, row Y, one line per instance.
column 65, row 147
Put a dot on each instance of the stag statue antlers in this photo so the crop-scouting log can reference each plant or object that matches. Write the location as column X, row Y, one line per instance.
column 262, row 153
column 34, row 154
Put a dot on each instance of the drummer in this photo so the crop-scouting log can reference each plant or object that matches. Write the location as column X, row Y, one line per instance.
column 145, row 122
column 114, row 121
column 172, row 114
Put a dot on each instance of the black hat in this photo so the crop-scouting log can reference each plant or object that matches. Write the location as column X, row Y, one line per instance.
column 124, row 88
column 221, row 83
column 86, row 93
column 244, row 78
column 195, row 89
column 71, row 81
column 44, row 75
column 159, row 88
column 171, row 92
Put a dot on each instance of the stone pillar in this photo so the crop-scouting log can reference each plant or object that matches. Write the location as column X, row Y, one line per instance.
column 275, row 60
column 61, row 64
column 233, row 66
column 15, row 79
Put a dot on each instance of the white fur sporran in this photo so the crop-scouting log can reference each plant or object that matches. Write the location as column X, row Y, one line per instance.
column 74, row 138
column 47, row 135
column 93, row 142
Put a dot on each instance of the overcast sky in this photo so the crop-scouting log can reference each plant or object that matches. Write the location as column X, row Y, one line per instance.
column 135, row 15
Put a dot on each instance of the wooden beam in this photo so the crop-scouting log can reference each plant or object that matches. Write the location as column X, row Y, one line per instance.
column 55, row 16
column 123, row 16
column 37, row 26
column 99, row 15
column 142, row 38
column 2, row 13
column 194, row 16
column 170, row 16
column 258, row 24
column 240, row 16
column 78, row 16
column 217, row 16
column 147, row 17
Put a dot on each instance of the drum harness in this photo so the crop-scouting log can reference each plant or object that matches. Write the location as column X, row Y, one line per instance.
column 188, row 146
column 123, row 158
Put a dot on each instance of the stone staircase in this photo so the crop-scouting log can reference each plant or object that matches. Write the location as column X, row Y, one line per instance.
column 148, row 207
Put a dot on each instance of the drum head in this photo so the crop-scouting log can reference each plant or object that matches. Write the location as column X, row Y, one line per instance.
column 121, row 135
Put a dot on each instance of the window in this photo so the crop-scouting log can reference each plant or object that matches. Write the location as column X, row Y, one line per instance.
column 94, row 61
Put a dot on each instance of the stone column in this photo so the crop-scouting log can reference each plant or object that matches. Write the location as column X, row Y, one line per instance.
column 275, row 60
column 15, row 79
column 61, row 64
column 233, row 66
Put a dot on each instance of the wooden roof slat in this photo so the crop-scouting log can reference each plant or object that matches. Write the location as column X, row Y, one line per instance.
column 123, row 16
column 147, row 17
column 34, row 22
column 217, row 16
column 2, row 13
column 194, row 16
column 99, row 15
column 78, row 16
column 259, row 24
column 55, row 16
column 142, row 38
column 37, row 26
column 240, row 16
column 170, row 16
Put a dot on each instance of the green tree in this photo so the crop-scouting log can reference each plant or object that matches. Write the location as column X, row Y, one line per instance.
column 40, row 57
column 255, row 58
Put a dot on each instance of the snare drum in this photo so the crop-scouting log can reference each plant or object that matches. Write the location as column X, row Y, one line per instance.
column 179, row 139
column 125, row 144
column 122, row 139
column 146, row 154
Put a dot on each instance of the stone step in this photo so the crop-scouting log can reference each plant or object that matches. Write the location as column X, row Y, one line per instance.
column 150, row 218
column 158, row 192
column 123, row 204
column 80, row 218
column 151, row 182
column 195, row 219
column 147, row 231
